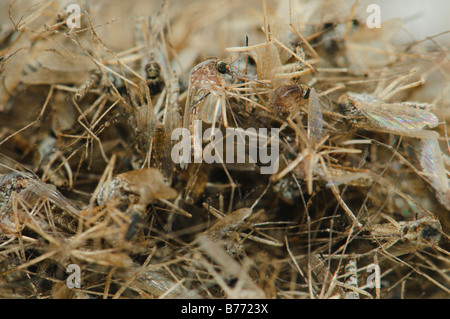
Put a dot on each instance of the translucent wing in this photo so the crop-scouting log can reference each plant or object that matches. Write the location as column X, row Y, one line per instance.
column 393, row 117
column 45, row 76
column 33, row 190
column 315, row 120
column 400, row 118
column 209, row 109
column 64, row 62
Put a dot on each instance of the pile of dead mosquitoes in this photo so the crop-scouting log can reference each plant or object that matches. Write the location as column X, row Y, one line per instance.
column 358, row 207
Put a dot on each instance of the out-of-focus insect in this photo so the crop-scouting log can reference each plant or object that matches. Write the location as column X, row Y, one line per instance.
column 432, row 162
column 5, row 58
column 144, row 122
column 268, row 61
column 48, row 155
column 154, row 65
column 351, row 272
column 59, row 68
column 359, row 45
column 157, row 120
column 133, row 191
column 422, row 233
column 12, row 62
column 228, row 223
column 154, row 77
column 197, row 176
column 397, row 118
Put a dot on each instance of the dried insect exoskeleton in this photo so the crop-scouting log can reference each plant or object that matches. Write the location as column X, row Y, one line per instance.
column 432, row 162
column 197, row 175
column 422, row 233
column 288, row 98
column 206, row 99
column 397, row 118
column 159, row 283
column 29, row 190
column 147, row 183
column 206, row 92
column 144, row 126
column 49, row 154
column 92, row 82
column 133, row 191
column 32, row 189
column 161, row 152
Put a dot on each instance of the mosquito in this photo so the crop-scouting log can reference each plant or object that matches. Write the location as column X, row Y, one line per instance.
column 211, row 82
column 424, row 232
column 32, row 189
column 397, row 118
column 207, row 85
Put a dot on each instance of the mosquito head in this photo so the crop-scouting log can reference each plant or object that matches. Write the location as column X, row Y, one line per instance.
column 223, row 67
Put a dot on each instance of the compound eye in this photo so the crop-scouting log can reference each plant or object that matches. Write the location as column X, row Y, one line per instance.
column 222, row 67
column 306, row 93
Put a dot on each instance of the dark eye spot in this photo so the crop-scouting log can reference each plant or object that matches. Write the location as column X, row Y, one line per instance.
column 306, row 93
column 429, row 233
column 222, row 67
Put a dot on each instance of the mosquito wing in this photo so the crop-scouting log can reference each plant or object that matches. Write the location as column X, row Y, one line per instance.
column 433, row 166
column 400, row 118
column 315, row 120
column 394, row 117
column 49, row 191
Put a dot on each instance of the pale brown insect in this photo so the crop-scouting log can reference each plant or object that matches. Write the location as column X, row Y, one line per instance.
column 289, row 98
column 206, row 92
column 93, row 81
column 147, row 183
column 425, row 232
column 31, row 191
